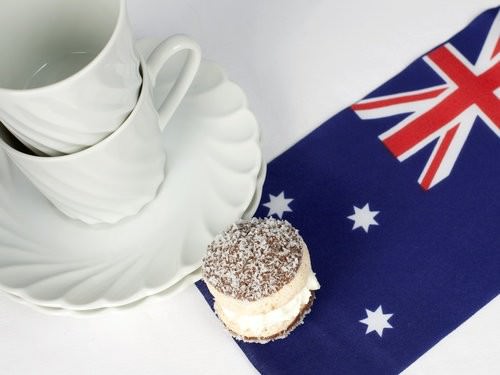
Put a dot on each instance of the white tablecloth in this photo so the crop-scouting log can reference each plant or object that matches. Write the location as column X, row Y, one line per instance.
column 299, row 61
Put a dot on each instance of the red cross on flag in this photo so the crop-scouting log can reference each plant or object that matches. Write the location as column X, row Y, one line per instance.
column 446, row 112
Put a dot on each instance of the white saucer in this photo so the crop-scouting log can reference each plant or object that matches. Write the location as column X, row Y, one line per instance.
column 167, row 293
column 214, row 160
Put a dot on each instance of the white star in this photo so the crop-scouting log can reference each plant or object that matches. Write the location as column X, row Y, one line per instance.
column 278, row 205
column 363, row 217
column 376, row 321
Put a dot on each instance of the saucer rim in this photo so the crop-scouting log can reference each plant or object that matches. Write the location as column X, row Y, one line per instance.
column 181, row 273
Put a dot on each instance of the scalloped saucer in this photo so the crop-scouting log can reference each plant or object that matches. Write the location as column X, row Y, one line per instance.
column 167, row 293
column 214, row 173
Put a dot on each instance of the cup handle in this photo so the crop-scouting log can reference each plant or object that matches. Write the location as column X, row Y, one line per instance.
column 163, row 52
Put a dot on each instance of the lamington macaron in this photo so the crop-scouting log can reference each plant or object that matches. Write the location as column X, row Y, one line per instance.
column 259, row 273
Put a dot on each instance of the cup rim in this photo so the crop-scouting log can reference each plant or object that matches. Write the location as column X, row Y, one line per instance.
column 143, row 93
column 122, row 15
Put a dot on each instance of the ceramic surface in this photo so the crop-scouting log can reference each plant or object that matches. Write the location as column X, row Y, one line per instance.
column 165, row 294
column 72, row 73
column 108, row 181
column 213, row 164
column 116, row 177
column 72, row 76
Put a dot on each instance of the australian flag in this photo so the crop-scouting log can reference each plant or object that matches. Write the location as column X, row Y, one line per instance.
column 398, row 199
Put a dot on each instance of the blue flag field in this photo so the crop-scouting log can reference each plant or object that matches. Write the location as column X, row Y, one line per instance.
column 398, row 199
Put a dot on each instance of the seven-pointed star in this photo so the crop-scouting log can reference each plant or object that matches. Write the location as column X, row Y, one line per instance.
column 376, row 321
column 363, row 217
column 278, row 205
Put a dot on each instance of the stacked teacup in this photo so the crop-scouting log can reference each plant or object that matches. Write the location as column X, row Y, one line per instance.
column 76, row 105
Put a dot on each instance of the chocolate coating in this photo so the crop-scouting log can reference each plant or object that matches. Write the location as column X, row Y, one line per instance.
column 253, row 259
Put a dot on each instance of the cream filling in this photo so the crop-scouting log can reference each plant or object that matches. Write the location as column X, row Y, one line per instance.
column 257, row 324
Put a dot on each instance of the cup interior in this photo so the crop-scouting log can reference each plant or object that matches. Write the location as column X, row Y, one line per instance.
column 44, row 42
column 12, row 141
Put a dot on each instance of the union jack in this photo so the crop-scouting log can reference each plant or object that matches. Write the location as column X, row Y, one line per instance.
column 446, row 112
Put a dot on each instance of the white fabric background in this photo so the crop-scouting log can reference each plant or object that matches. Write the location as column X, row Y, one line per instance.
column 300, row 62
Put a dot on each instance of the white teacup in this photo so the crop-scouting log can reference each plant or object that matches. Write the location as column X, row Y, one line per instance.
column 69, row 73
column 114, row 178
